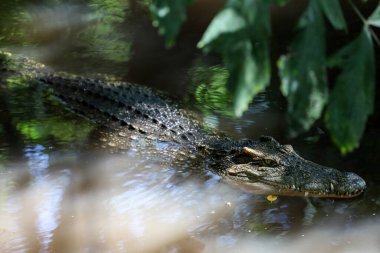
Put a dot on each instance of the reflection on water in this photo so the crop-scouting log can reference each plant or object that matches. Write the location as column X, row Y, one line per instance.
column 38, row 162
column 56, row 195
column 51, row 190
column 55, row 32
column 118, row 204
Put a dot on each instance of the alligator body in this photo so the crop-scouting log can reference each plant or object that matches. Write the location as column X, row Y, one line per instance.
column 135, row 110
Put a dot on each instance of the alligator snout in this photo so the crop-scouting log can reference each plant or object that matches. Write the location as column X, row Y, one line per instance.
column 350, row 185
column 336, row 184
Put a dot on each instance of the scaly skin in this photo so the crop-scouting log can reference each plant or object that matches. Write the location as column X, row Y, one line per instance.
column 133, row 109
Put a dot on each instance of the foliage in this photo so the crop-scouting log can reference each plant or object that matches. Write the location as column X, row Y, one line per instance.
column 101, row 37
column 303, row 82
column 211, row 94
column 96, row 28
column 334, row 13
column 352, row 99
column 374, row 19
column 240, row 33
column 8, row 13
column 164, row 12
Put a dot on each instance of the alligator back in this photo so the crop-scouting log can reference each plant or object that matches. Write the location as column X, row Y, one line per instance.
column 124, row 105
column 113, row 104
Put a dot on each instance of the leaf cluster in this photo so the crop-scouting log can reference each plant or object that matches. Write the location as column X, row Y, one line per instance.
column 240, row 33
column 168, row 16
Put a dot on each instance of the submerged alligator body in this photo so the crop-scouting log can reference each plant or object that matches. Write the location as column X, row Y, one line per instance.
column 130, row 108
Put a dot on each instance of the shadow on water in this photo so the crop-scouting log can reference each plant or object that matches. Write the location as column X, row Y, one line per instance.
column 59, row 195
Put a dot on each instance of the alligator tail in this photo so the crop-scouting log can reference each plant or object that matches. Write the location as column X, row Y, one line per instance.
column 13, row 65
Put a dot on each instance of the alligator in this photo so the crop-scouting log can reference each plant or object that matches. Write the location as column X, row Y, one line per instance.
column 137, row 110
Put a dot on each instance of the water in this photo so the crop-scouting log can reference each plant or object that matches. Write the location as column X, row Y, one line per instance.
column 58, row 195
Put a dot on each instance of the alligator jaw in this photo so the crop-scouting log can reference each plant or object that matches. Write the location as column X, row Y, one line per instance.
column 262, row 186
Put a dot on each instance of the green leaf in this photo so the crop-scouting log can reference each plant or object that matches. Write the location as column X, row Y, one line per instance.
column 352, row 98
column 374, row 19
column 240, row 33
column 227, row 21
column 168, row 16
column 333, row 12
column 250, row 74
column 303, row 72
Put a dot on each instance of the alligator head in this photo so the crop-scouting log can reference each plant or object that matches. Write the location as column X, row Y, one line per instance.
column 280, row 167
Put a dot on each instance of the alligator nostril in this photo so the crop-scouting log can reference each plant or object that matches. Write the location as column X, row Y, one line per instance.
column 357, row 181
